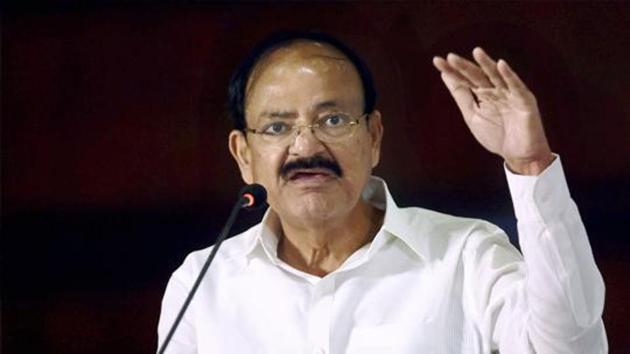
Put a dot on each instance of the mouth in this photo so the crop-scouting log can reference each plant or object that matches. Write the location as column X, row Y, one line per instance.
column 310, row 174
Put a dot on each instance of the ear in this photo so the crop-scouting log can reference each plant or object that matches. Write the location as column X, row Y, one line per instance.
column 241, row 152
column 375, row 127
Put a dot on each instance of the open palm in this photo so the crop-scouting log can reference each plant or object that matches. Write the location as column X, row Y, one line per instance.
column 499, row 109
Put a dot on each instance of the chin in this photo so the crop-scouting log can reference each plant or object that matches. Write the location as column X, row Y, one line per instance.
column 317, row 208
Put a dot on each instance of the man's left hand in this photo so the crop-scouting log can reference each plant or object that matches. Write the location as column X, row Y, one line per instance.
column 499, row 109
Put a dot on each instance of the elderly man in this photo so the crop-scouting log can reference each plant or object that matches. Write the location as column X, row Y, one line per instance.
column 335, row 266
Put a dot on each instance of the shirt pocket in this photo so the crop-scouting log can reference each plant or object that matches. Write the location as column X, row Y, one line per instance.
column 390, row 338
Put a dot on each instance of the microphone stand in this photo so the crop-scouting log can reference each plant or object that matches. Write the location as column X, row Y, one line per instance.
column 243, row 202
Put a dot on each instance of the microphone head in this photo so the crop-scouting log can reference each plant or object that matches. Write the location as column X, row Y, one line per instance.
column 253, row 196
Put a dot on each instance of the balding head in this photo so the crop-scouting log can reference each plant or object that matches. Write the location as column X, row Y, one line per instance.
column 322, row 49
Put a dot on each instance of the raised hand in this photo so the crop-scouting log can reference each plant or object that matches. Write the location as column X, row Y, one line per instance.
column 499, row 109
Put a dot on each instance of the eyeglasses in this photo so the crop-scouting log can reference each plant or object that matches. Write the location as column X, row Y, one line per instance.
column 330, row 128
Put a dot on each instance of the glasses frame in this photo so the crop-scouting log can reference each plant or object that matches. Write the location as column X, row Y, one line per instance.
column 298, row 128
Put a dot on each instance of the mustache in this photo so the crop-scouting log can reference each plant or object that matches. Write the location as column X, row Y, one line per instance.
column 311, row 162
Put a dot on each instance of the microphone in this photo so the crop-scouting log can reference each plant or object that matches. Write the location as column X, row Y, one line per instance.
column 251, row 197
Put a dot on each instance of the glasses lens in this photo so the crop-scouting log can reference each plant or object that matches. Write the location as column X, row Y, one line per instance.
column 325, row 131
column 334, row 133
column 278, row 139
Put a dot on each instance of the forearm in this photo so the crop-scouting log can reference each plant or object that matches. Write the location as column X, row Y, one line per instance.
column 564, row 289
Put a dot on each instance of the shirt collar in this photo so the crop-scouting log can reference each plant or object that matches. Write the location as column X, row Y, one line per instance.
column 401, row 223
column 263, row 238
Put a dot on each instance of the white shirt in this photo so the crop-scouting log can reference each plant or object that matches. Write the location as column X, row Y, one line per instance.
column 427, row 283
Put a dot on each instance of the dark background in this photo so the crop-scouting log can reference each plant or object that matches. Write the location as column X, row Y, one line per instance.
column 114, row 141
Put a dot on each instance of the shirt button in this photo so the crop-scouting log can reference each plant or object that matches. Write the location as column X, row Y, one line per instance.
column 319, row 351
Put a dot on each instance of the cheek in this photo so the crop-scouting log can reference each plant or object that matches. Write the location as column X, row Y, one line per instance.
column 265, row 166
column 357, row 167
column 360, row 157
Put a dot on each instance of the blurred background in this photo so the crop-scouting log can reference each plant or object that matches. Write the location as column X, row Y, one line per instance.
column 114, row 141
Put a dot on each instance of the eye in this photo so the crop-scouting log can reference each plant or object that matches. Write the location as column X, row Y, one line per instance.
column 275, row 128
column 335, row 120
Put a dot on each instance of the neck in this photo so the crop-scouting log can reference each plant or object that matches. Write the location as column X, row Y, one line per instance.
column 320, row 249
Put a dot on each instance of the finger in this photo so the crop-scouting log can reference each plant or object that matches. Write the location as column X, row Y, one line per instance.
column 461, row 94
column 468, row 69
column 489, row 67
column 444, row 67
column 514, row 83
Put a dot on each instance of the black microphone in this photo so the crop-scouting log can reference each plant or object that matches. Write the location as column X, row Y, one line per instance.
column 251, row 196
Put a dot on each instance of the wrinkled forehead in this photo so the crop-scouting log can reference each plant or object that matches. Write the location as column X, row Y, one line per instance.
column 301, row 57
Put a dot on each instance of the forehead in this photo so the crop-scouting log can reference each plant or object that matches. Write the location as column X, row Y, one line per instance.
column 306, row 53
column 303, row 70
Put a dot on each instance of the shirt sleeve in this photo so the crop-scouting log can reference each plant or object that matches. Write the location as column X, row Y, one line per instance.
column 562, row 292
column 184, row 338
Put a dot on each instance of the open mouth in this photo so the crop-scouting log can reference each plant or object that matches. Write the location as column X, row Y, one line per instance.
column 310, row 174
column 312, row 170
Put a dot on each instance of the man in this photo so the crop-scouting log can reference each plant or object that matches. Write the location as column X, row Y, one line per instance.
column 336, row 267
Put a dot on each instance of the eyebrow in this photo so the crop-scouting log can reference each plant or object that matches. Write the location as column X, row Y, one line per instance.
column 290, row 114
column 278, row 114
column 326, row 104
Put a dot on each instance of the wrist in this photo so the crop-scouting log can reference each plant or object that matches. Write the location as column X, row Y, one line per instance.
column 531, row 166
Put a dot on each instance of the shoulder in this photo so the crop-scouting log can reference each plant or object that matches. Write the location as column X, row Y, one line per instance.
column 446, row 225
column 229, row 257
column 435, row 234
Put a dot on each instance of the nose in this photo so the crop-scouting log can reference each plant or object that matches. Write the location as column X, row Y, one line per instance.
column 306, row 143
